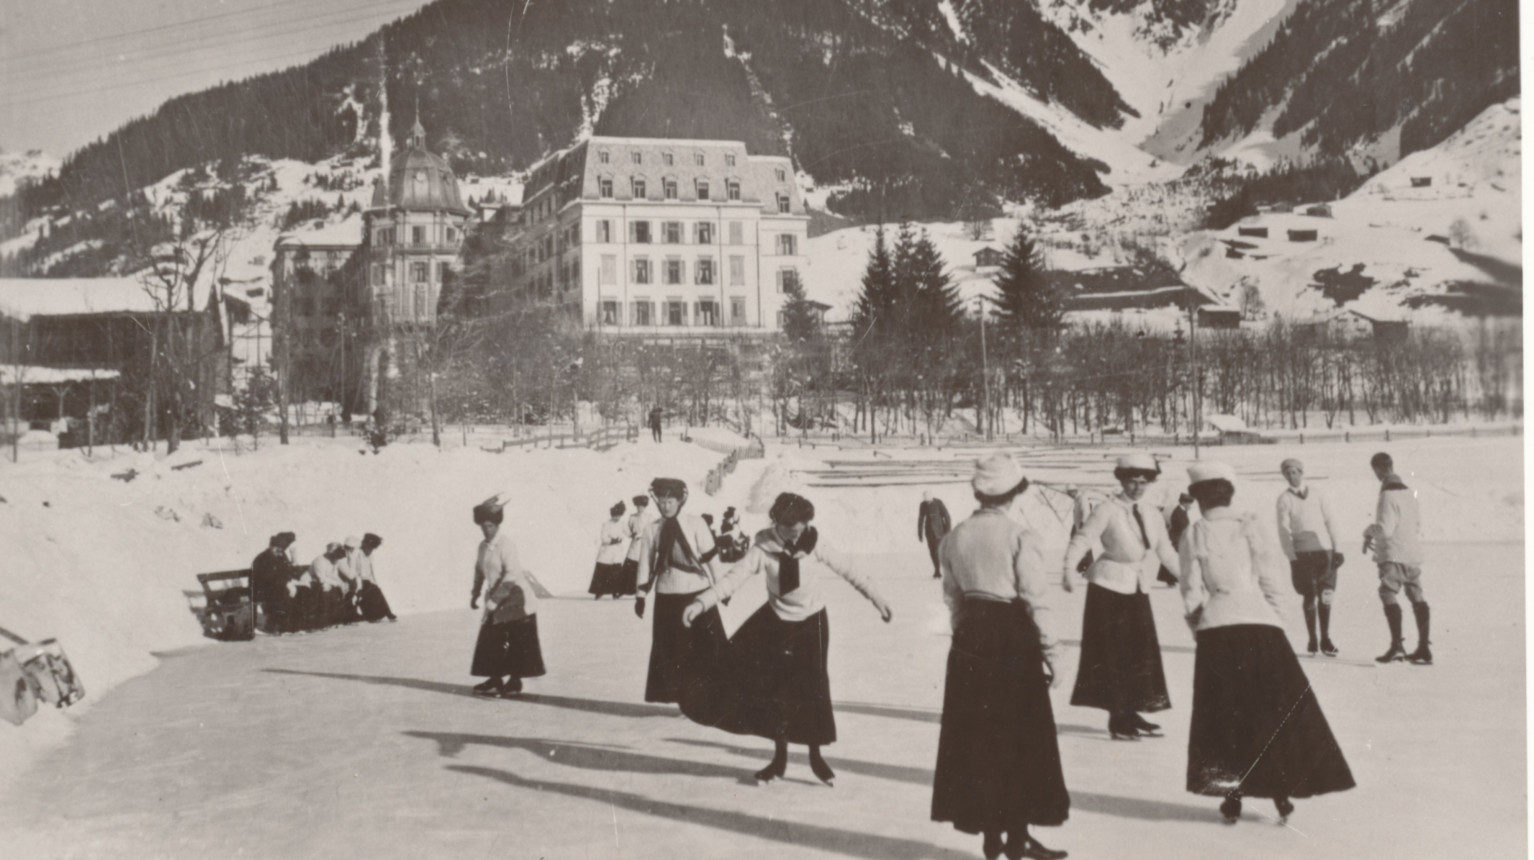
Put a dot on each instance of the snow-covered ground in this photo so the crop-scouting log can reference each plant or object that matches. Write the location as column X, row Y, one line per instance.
column 361, row 741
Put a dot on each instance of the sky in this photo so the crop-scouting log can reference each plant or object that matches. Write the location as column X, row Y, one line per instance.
column 71, row 71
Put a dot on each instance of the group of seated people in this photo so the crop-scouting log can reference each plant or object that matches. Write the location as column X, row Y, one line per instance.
column 338, row 587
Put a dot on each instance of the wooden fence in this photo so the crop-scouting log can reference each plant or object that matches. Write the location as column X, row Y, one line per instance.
column 715, row 478
column 599, row 439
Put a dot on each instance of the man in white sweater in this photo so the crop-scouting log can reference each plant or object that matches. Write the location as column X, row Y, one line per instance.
column 1306, row 535
column 1396, row 538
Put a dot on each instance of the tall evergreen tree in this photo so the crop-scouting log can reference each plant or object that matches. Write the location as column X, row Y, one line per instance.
column 1027, row 298
column 937, row 310
column 874, row 313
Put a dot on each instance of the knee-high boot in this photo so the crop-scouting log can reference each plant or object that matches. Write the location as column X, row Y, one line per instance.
column 1397, row 644
column 1422, row 656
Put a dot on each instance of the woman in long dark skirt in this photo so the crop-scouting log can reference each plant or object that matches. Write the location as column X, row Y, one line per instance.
column 674, row 554
column 1120, row 669
column 998, row 760
column 772, row 680
column 612, row 539
column 1257, row 730
column 507, row 649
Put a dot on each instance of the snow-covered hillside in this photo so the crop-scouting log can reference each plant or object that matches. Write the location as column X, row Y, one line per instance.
column 1444, row 216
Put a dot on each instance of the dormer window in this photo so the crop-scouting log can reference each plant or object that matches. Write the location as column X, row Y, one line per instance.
column 666, row 159
column 782, row 175
column 638, row 158
column 638, row 187
column 668, row 185
column 697, row 159
column 732, row 189
column 604, row 157
column 729, row 159
column 605, row 187
column 702, row 188
column 783, row 203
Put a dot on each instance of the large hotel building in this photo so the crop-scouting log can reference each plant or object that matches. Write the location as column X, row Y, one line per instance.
column 662, row 236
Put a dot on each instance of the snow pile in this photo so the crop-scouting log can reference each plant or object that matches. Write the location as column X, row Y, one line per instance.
column 102, row 563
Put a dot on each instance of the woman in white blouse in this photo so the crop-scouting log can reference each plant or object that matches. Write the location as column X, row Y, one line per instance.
column 1120, row 669
column 612, row 543
column 507, row 649
column 998, row 759
column 1257, row 727
column 774, row 682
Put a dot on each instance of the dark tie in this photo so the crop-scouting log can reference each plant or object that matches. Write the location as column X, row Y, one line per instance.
column 788, row 573
column 1300, row 493
column 1135, row 509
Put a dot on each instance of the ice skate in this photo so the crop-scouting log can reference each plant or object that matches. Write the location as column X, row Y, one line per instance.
column 1327, row 648
column 1423, row 656
column 1034, row 849
column 818, row 766
column 1230, row 808
column 1285, row 808
column 1397, row 653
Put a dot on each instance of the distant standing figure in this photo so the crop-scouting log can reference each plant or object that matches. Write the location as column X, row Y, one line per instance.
column 370, row 597
column 655, row 416
column 612, row 540
column 998, row 759
column 1180, row 519
column 1120, row 669
column 1306, row 536
column 507, row 649
column 269, row 573
column 1257, row 727
column 635, row 526
column 1396, row 538
column 932, row 525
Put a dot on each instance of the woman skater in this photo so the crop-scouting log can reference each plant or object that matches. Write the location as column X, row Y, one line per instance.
column 507, row 650
column 998, row 762
column 1257, row 727
column 776, row 685
column 671, row 563
column 612, row 539
column 1120, row 669
column 637, row 522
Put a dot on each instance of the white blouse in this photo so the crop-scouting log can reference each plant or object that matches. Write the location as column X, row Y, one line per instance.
column 1230, row 572
column 796, row 605
column 1127, row 563
column 611, row 542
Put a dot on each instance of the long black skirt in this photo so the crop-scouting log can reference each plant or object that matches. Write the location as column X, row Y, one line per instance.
column 372, row 604
column 998, row 760
column 1257, row 726
column 769, row 681
column 509, row 648
column 607, row 579
column 628, row 580
column 1120, row 666
column 671, row 648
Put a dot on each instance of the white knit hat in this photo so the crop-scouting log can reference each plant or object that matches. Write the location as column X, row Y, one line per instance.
column 997, row 474
column 352, row 542
column 1209, row 471
column 1138, row 461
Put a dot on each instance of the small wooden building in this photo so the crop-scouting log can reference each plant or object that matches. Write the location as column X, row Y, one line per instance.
column 1303, row 235
column 988, row 257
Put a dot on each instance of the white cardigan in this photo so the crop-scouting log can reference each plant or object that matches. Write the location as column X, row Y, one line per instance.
column 672, row 581
column 796, row 605
column 1229, row 572
column 1126, row 562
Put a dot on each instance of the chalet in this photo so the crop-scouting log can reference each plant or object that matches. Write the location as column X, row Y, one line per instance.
column 1219, row 316
column 1303, row 235
column 1422, row 182
column 1125, row 287
column 987, row 257
column 1254, row 232
column 70, row 342
column 1352, row 323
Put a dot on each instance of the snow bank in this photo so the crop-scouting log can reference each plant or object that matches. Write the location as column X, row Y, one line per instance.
column 101, row 563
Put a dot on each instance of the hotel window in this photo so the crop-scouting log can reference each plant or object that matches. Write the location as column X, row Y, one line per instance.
column 783, row 203
column 676, row 312
column 673, row 271
column 732, row 189
column 786, row 278
column 418, row 235
column 702, row 189
column 604, row 231
column 666, row 159
column 706, row 312
column 452, row 235
column 729, row 159
column 705, row 232
column 736, row 232
column 668, row 187
column 697, row 159
column 642, row 313
column 639, row 232
column 575, row 271
column 737, row 271
column 420, row 272
column 638, row 159
column 782, row 175
column 705, row 271
column 788, row 245
column 609, row 312
column 641, row 271
column 737, row 310
column 603, row 156
column 638, row 186
column 575, row 233
column 605, row 186
column 609, row 269
column 672, row 231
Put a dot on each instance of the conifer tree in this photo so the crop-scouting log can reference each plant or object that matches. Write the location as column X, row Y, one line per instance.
column 1027, row 299
column 936, row 307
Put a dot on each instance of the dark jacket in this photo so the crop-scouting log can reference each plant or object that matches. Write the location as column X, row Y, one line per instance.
column 932, row 522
